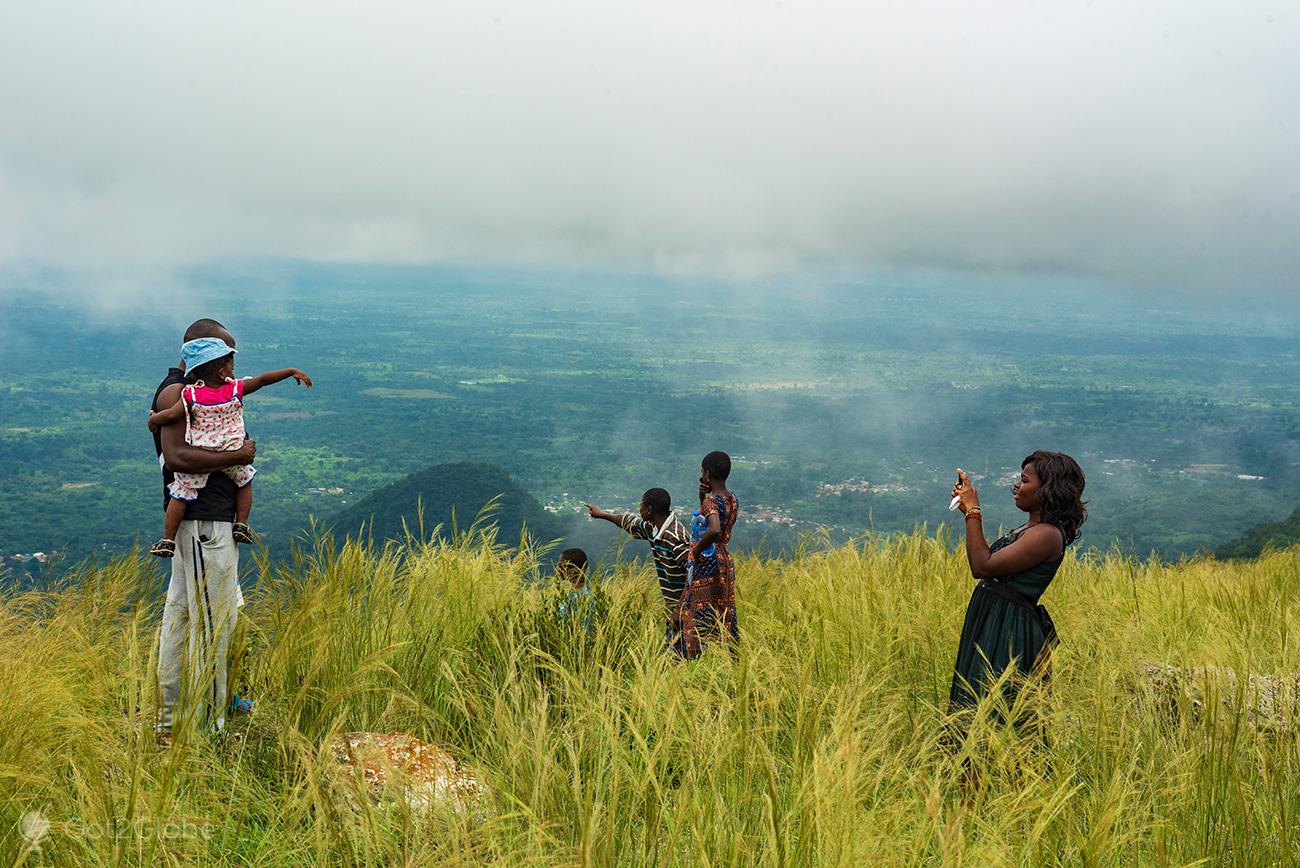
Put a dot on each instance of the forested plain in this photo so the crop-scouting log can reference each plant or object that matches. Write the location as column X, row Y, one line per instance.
column 846, row 402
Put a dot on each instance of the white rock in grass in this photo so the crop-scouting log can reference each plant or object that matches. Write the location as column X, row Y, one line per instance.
column 421, row 774
column 1270, row 702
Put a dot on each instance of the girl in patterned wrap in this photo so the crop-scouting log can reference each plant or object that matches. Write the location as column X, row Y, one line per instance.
column 709, row 601
column 214, row 419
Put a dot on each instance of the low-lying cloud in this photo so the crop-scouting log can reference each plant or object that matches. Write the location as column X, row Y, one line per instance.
column 1153, row 144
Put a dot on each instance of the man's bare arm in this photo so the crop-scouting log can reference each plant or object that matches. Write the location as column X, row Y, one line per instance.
column 181, row 457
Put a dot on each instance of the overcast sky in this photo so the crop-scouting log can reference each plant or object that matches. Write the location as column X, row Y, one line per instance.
column 1153, row 143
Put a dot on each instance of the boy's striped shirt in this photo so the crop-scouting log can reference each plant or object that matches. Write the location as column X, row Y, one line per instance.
column 670, row 546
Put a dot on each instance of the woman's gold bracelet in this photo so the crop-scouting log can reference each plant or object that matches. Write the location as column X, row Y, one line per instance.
column 975, row 513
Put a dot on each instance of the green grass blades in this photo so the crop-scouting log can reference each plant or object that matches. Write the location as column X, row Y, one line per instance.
column 822, row 741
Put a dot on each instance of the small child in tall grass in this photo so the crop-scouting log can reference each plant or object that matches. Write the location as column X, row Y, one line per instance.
column 214, row 419
column 572, row 568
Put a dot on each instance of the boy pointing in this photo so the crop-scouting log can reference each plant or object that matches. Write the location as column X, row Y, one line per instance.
column 670, row 546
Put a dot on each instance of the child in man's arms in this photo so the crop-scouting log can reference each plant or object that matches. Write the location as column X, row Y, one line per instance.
column 214, row 419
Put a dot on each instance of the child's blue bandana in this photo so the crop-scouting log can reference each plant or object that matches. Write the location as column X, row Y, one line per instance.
column 200, row 351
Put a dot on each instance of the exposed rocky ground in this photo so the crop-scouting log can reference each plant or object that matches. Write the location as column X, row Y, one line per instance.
column 400, row 766
column 1271, row 702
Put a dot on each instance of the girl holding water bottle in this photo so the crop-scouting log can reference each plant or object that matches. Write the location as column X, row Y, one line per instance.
column 709, row 602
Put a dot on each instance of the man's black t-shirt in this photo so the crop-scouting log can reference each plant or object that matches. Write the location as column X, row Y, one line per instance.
column 216, row 500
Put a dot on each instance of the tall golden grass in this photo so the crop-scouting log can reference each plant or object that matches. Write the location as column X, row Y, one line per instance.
column 818, row 743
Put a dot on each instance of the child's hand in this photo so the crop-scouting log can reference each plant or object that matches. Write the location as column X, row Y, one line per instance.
column 301, row 378
column 594, row 510
column 154, row 426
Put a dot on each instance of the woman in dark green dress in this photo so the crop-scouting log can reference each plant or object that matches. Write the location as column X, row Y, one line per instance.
column 1005, row 626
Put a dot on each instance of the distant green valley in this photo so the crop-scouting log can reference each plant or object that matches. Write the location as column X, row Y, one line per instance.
column 1262, row 537
column 845, row 404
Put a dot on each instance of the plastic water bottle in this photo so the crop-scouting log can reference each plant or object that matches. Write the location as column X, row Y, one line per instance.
column 700, row 526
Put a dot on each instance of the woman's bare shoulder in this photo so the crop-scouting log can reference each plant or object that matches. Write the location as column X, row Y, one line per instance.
column 1044, row 535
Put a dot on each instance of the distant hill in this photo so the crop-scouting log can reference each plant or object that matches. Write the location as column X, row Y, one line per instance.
column 437, row 491
column 1275, row 534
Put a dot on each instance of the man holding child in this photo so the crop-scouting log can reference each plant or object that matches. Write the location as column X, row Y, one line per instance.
column 203, row 595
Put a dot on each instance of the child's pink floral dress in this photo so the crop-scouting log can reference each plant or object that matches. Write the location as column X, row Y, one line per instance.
column 214, row 419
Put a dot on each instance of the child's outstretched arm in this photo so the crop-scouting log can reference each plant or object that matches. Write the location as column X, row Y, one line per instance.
column 635, row 525
column 252, row 384
column 597, row 512
column 162, row 418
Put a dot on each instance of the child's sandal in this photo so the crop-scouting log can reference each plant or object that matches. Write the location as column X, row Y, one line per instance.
column 242, row 533
column 164, row 548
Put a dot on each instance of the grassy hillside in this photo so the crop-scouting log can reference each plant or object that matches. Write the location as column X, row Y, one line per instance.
column 817, row 743
column 1269, row 535
column 447, row 497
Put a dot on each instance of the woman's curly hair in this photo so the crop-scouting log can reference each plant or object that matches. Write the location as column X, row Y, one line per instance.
column 1060, row 491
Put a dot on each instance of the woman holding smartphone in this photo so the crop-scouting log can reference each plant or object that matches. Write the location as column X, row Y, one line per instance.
column 1004, row 625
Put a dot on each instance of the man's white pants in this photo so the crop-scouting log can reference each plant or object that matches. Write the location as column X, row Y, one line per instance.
column 202, row 603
